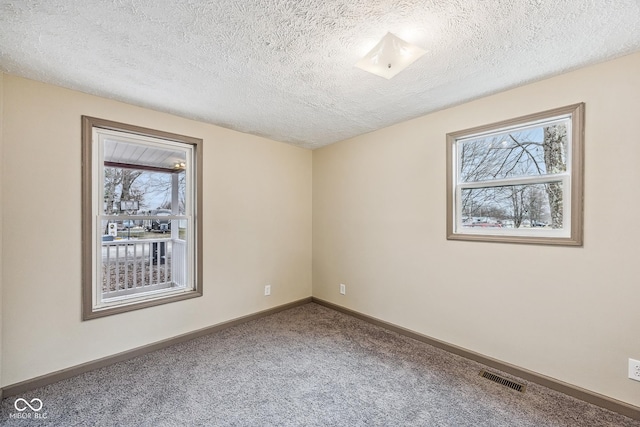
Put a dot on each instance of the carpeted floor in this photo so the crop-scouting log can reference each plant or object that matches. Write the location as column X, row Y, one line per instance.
column 308, row 366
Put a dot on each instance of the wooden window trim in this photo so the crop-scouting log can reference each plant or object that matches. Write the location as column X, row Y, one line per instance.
column 575, row 238
column 88, row 233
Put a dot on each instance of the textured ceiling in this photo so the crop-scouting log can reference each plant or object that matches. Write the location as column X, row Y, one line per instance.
column 285, row 68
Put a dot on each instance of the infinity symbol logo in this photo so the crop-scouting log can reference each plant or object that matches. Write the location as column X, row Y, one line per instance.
column 26, row 404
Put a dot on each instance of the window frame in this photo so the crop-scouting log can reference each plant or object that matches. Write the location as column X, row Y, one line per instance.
column 90, row 216
column 572, row 181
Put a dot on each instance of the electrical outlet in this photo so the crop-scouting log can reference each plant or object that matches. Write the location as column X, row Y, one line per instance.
column 267, row 290
column 634, row 369
column 343, row 289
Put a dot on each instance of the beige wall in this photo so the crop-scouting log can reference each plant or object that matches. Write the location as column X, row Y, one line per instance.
column 378, row 226
column 568, row 313
column 257, row 230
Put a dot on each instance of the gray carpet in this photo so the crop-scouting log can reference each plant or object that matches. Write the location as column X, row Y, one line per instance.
column 308, row 366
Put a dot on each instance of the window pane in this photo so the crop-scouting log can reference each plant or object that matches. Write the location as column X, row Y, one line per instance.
column 533, row 151
column 131, row 192
column 154, row 228
column 136, row 261
column 513, row 206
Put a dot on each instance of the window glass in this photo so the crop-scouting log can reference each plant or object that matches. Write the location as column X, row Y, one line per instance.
column 511, row 206
column 537, row 151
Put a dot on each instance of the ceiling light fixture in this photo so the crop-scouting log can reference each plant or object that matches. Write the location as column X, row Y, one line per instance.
column 390, row 56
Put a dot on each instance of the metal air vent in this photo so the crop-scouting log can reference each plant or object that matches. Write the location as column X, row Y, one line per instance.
column 503, row 381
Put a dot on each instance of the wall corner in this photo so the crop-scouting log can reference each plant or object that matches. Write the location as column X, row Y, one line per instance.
column 1, row 213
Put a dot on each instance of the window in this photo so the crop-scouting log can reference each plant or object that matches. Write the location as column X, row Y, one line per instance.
column 141, row 217
column 519, row 180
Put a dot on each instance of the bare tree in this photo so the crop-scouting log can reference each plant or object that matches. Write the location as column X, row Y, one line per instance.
column 119, row 185
column 111, row 182
column 523, row 153
column 535, row 204
column 128, row 178
column 555, row 141
column 517, row 199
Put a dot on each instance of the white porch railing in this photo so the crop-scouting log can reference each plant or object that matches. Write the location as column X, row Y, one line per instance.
column 135, row 266
column 179, row 263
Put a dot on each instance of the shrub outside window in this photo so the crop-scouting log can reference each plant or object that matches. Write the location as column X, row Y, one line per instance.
column 141, row 231
column 519, row 180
